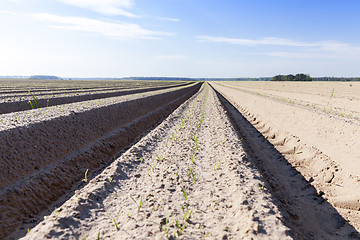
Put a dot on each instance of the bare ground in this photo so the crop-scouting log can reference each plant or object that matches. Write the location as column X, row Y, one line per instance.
column 43, row 157
column 313, row 169
column 190, row 178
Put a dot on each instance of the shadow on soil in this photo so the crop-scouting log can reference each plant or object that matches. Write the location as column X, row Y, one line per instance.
column 306, row 213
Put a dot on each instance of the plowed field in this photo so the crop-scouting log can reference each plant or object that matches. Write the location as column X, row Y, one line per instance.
column 180, row 160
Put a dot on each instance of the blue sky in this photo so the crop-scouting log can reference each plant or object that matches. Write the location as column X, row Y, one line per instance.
column 188, row 38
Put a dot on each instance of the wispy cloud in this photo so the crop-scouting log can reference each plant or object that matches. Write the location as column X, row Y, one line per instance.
column 168, row 19
column 10, row 13
column 113, row 30
column 257, row 42
column 106, row 7
column 317, row 49
column 172, row 57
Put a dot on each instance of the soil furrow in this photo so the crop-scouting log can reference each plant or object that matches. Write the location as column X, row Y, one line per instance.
column 59, row 150
column 307, row 211
column 49, row 100
column 189, row 178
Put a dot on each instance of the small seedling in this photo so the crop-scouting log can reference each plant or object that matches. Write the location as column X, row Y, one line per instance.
column 138, row 204
column 31, row 104
column 85, row 179
column 166, row 223
column 153, row 167
column 178, row 225
column 110, row 179
column 98, row 237
column 172, row 136
column 194, row 179
column 159, row 157
column 36, row 103
column 184, row 193
column 116, row 224
column 141, row 160
column 56, row 211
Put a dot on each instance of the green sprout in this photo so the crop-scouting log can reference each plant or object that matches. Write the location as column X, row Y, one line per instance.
column 86, row 179
column 115, row 222
column 138, row 204
column 166, row 223
column 159, row 157
column 184, row 193
column 36, row 103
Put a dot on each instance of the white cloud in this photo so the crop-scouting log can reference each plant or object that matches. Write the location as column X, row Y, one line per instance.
column 257, row 42
column 169, row 19
column 106, row 7
column 172, row 57
column 10, row 13
column 113, row 30
column 320, row 49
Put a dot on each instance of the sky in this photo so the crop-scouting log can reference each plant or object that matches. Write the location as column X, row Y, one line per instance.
column 179, row 38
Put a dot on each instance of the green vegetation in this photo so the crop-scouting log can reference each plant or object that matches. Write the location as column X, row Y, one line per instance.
column 86, row 179
column 138, row 204
column 35, row 101
column 298, row 77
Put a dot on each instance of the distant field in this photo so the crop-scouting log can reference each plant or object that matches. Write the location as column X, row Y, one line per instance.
column 337, row 98
column 15, row 96
column 77, row 125
column 179, row 160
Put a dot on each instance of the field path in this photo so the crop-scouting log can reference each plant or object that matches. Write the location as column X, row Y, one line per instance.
column 189, row 178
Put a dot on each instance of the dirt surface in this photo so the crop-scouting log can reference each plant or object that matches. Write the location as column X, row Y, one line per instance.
column 189, row 178
column 337, row 99
column 44, row 155
column 322, row 154
column 18, row 100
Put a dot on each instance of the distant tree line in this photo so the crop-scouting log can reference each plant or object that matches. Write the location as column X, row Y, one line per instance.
column 298, row 77
column 45, row 77
column 342, row 79
column 234, row 79
column 196, row 79
column 159, row 78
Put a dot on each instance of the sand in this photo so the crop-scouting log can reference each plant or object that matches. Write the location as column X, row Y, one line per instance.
column 45, row 152
column 322, row 147
column 235, row 161
column 195, row 181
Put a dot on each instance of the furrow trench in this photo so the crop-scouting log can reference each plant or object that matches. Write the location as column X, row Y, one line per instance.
column 40, row 162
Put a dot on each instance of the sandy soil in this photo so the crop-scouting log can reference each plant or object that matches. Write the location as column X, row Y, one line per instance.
column 341, row 99
column 194, row 181
column 43, row 156
column 20, row 101
column 324, row 149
